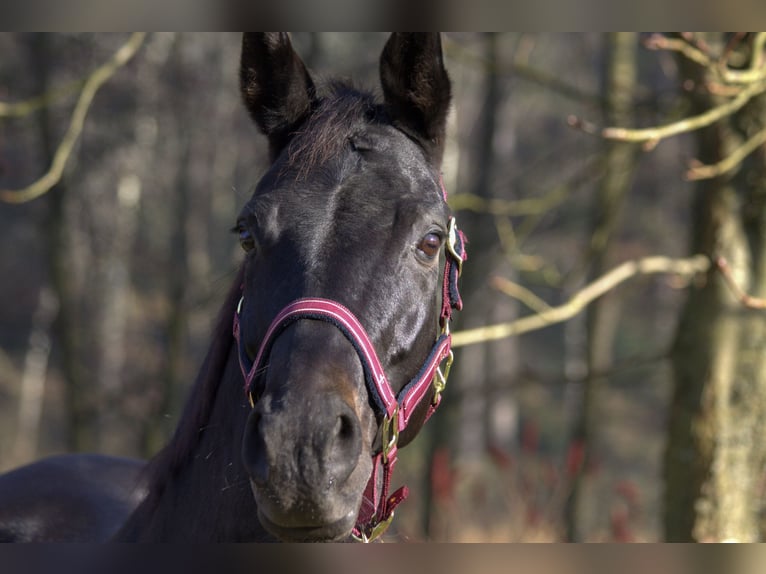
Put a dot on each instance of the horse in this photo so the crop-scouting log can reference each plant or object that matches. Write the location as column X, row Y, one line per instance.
column 332, row 347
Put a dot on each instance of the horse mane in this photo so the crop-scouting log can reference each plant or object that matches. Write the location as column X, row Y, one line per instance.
column 199, row 404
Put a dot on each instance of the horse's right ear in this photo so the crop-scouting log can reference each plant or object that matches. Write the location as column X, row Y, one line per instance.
column 276, row 87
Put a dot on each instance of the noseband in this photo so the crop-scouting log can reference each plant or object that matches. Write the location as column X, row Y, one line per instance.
column 396, row 409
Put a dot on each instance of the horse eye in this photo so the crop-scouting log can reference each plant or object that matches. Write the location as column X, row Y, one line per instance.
column 246, row 239
column 430, row 245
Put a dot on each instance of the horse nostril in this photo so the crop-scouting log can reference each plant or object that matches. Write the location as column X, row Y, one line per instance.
column 254, row 449
column 346, row 447
column 346, row 428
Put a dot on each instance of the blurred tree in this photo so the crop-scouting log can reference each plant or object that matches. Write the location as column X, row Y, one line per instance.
column 619, row 88
column 60, row 253
column 716, row 451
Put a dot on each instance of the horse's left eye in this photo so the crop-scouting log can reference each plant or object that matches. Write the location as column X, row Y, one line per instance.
column 430, row 245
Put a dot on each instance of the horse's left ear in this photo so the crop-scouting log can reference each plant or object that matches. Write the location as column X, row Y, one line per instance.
column 416, row 88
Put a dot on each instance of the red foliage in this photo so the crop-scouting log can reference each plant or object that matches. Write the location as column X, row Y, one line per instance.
column 443, row 476
column 500, row 457
column 575, row 458
column 530, row 437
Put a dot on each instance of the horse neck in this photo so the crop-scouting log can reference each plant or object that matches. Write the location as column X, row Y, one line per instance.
column 198, row 487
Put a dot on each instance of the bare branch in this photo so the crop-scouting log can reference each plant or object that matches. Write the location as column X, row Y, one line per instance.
column 701, row 55
column 700, row 171
column 26, row 107
column 688, row 124
column 646, row 266
column 532, row 206
column 752, row 82
column 753, row 73
column 746, row 300
column 660, row 42
column 89, row 90
column 520, row 293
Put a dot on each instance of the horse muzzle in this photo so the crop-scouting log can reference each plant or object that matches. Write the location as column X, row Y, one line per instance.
column 307, row 472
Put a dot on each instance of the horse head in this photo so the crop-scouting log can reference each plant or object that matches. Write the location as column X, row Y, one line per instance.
column 344, row 282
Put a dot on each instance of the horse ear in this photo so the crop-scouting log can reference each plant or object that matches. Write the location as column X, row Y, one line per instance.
column 416, row 88
column 276, row 87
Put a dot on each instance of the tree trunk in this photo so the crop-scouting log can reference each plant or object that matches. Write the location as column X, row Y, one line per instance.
column 601, row 316
column 467, row 404
column 114, row 287
column 159, row 429
column 715, row 452
column 78, row 403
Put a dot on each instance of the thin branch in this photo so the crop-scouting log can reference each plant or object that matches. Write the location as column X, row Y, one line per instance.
column 680, row 45
column 26, row 107
column 753, row 73
column 520, row 293
column 532, row 206
column 646, row 266
column 747, row 300
column 697, row 172
column 689, row 124
column 89, row 90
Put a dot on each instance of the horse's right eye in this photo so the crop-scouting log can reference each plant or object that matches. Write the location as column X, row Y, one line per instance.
column 246, row 239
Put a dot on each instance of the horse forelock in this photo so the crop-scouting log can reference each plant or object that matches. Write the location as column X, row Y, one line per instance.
column 338, row 115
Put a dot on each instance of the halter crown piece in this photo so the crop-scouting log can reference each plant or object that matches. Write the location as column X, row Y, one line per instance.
column 378, row 506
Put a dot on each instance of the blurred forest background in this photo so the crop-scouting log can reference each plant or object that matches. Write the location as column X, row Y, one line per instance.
column 639, row 416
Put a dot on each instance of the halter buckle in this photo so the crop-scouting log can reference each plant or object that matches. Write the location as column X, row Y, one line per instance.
column 390, row 434
column 440, row 378
column 452, row 240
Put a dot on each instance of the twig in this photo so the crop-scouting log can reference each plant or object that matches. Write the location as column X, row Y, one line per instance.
column 753, row 73
column 532, row 206
column 689, row 124
column 697, row 172
column 660, row 42
column 60, row 158
column 646, row 266
column 26, row 107
column 520, row 293
column 747, row 300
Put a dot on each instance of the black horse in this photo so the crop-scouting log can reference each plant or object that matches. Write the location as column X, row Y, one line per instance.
column 330, row 349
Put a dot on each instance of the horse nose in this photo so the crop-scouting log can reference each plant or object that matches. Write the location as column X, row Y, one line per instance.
column 322, row 446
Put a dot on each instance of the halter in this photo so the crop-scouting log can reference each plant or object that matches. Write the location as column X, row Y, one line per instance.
column 377, row 509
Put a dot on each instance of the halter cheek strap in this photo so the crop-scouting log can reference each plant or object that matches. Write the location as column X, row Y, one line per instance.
column 377, row 509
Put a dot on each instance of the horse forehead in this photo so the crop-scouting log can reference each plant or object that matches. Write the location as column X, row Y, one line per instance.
column 345, row 198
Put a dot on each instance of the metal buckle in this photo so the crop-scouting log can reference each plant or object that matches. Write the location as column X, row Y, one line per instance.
column 451, row 243
column 377, row 531
column 390, row 434
column 440, row 378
